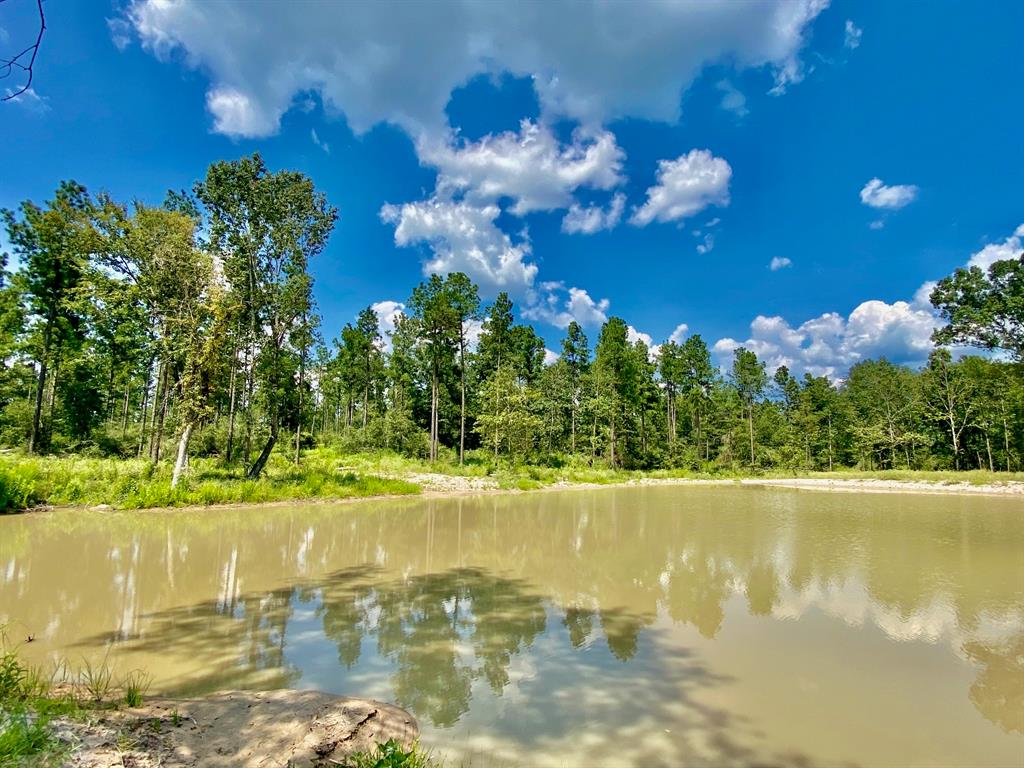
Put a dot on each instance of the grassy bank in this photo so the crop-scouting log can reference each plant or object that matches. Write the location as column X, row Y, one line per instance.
column 327, row 474
column 26, row 481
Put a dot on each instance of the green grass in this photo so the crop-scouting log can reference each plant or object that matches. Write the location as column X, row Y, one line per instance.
column 578, row 469
column 391, row 754
column 329, row 474
column 137, row 484
column 26, row 708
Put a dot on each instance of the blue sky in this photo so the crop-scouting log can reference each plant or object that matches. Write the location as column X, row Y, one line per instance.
column 670, row 155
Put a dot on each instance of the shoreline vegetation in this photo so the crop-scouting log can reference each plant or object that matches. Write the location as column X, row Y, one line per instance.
column 93, row 718
column 174, row 354
column 326, row 475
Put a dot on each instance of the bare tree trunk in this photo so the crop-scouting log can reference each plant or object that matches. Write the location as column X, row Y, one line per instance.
column 298, row 420
column 159, row 436
column 232, row 398
column 145, row 408
column 830, row 442
column 462, row 404
column 157, row 399
column 182, row 460
column 750, row 422
column 37, row 412
column 1006, row 441
column 433, row 417
column 573, row 418
column 261, row 460
column 611, row 441
column 124, row 410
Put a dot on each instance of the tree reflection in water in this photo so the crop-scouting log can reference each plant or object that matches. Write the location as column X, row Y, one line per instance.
column 451, row 594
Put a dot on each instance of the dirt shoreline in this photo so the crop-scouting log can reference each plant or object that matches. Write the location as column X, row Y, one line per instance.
column 441, row 486
column 242, row 729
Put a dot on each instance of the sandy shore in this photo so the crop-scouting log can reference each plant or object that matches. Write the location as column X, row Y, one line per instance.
column 440, row 486
column 235, row 729
column 854, row 485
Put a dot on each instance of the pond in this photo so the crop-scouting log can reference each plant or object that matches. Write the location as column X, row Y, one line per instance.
column 637, row 626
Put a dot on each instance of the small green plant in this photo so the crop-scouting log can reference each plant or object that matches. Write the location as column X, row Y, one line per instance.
column 18, row 488
column 96, row 679
column 23, row 735
column 135, row 684
column 391, row 754
column 176, row 718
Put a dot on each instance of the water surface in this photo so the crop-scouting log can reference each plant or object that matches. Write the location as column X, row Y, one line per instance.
column 620, row 627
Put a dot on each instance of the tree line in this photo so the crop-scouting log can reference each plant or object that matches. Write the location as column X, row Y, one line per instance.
column 190, row 328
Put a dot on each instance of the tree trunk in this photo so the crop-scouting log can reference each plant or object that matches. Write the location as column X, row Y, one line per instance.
column 830, row 442
column 37, row 412
column 298, row 420
column 1006, row 441
column 182, row 460
column 573, row 417
column 611, row 442
column 261, row 461
column 433, row 417
column 232, row 399
column 956, row 443
column 165, row 399
column 124, row 411
column 750, row 422
column 145, row 408
column 462, row 403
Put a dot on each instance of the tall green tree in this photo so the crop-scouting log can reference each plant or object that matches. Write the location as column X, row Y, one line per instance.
column 697, row 380
column 749, row 378
column 576, row 357
column 437, row 324
column 950, row 397
column 53, row 243
column 465, row 300
column 267, row 226
column 983, row 308
column 614, row 361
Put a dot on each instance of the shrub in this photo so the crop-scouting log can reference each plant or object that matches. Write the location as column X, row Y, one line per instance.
column 18, row 488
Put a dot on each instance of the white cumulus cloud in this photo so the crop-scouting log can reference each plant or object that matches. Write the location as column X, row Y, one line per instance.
column 464, row 238
column 829, row 344
column 633, row 336
column 679, row 334
column 779, row 262
column 594, row 218
column 530, row 167
column 879, row 195
column 591, row 62
column 558, row 305
column 388, row 312
column 1010, row 248
column 685, row 186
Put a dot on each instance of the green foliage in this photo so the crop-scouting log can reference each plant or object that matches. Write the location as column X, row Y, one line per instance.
column 134, row 686
column 121, row 340
column 137, row 484
column 984, row 309
column 391, row 754
column 18, row 489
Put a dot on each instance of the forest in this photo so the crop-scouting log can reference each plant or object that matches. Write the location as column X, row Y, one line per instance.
column 189, row 331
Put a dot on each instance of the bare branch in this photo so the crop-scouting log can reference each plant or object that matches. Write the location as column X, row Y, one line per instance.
column 24, row 61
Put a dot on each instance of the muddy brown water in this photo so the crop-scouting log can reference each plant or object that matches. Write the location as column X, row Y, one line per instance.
column 623, row 627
